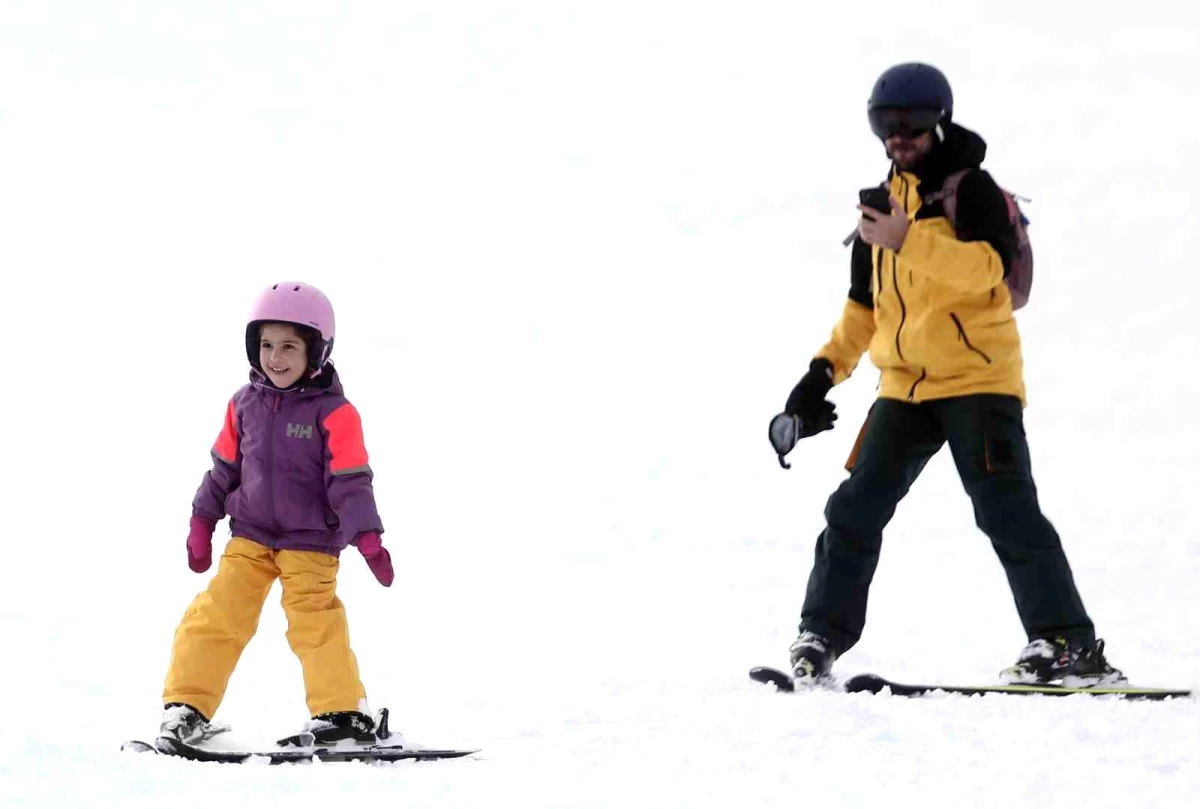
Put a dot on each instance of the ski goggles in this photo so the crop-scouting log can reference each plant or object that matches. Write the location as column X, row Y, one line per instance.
column 887, row 122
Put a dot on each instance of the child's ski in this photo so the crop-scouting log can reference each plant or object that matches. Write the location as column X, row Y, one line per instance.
column 210, row 730
column 297, row 748
column 165, row 745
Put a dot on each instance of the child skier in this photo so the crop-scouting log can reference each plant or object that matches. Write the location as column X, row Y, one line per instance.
column 290, row 469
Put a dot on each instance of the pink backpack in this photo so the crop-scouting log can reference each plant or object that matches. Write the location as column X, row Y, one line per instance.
column 1020, row 273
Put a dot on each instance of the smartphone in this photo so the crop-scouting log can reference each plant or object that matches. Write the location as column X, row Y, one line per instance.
column 877, row 198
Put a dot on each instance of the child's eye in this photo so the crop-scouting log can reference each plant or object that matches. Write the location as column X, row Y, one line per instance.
column 264, row 344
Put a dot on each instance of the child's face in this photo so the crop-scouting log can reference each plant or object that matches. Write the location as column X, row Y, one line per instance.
column 282, row 354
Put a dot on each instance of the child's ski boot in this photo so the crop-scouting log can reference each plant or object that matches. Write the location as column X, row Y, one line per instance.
column 183, row 723
column 341, row 728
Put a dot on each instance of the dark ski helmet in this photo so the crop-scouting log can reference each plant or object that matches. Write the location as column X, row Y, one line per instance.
column 909, row 99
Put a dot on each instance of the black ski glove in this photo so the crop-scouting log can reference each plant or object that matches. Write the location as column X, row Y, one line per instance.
column 807, row 412
column 807, row 399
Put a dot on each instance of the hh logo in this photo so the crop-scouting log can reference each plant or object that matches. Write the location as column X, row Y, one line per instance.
column 299, row 430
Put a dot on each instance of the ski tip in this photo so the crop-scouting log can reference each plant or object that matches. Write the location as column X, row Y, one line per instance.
column 865, row 683
column 782, row 681
column 138, row 746
column 446, row 753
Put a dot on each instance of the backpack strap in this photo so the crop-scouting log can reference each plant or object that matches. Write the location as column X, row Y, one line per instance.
column 947, row 194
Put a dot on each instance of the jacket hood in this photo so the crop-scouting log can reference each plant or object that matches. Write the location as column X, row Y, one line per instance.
column 959, row 149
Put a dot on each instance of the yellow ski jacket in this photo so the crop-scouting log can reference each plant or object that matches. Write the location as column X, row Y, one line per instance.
column 936, row 315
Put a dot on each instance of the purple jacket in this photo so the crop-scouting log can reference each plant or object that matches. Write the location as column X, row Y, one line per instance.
column 290, row 468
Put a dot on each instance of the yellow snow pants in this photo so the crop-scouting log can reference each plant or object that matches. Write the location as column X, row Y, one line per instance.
column 221, row 620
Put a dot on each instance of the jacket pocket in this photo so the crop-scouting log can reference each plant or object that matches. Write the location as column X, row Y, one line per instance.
column 962, row 335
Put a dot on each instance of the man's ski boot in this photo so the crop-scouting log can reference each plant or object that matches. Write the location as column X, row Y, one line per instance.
column 812, row 657
column 183, row 723
column 1054, row 661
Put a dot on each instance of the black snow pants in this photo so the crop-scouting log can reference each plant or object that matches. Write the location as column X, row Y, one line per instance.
column 987, row 439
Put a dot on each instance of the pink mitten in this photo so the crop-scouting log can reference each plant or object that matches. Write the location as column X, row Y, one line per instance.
column 199, row 544
column 378, row 559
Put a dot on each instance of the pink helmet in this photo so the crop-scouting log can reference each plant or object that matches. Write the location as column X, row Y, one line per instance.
column 301, row 305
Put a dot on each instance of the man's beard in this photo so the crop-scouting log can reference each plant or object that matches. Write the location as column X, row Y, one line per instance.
column 907, row 158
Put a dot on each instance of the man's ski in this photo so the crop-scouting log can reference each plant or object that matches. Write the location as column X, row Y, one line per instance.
column 874, row 684
column 769, row 676
column 782, row 681
column 168, row 746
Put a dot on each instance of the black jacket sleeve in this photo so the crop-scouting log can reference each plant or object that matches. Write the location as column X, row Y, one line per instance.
column 860, row 274
column 982, row 216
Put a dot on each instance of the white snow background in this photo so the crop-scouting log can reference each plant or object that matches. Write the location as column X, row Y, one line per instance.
column 579, row 253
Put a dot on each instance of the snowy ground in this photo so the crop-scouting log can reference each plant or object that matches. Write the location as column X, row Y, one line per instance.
column 580, row 252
